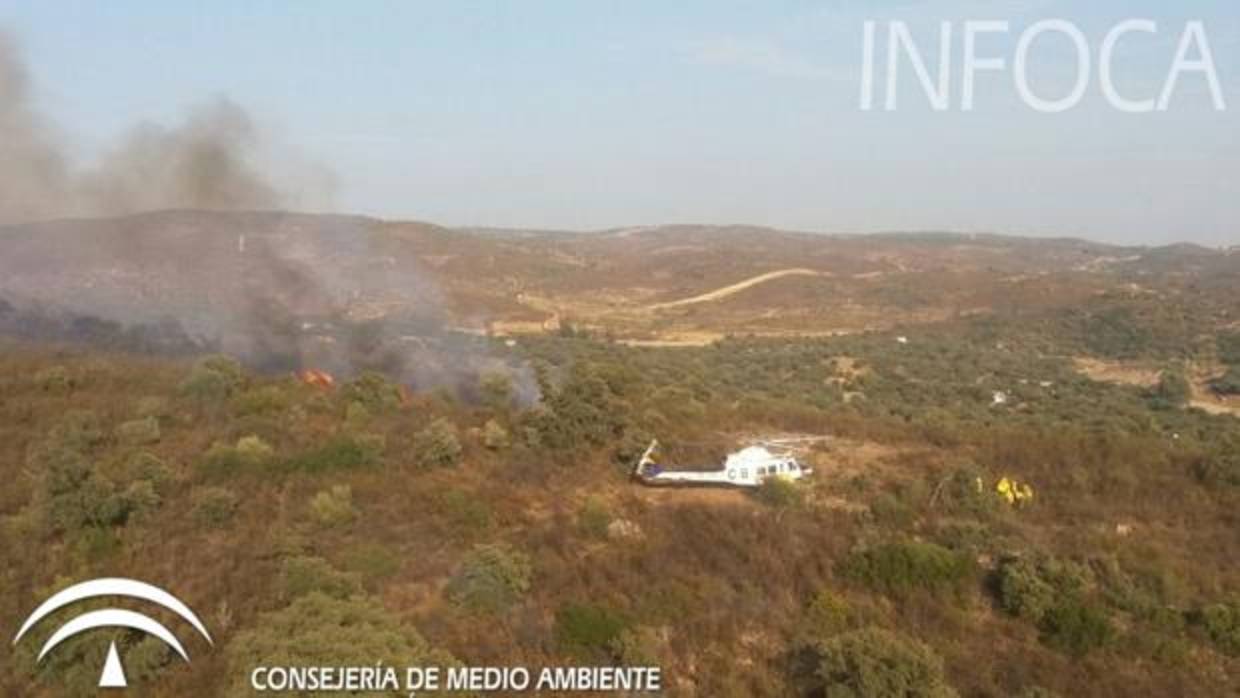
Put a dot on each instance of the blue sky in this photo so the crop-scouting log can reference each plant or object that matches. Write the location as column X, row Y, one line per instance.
column 599, row 114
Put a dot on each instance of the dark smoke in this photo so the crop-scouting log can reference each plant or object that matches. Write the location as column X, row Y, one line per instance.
column 280, row 291
column 206, row 162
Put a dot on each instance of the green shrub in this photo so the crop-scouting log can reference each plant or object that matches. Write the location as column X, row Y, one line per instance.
column 344, row 452
column 1029, row 587
column 779, row 493
column 266, row 400
column 827, row 615
column 139, row 432
column 213, row 378
column 302, row 575
column 79, row 430
column 1023, row 592
column 875, row 663
column 584, row 410
column 437, row 446
column 74, row 494
column 139, row 499
column 1075, row 628
column 965, row 492
column 1173, row 389
column 892, row 512
column 594, row 517
column 1221, row 622
column 901, row 567
column 147, row 466
column 318, row 630
column 490, row 578
column 495, row 436
column 356, row 416
column 373, row 391
column 253, row 451
column 221, row 460
column 213, row 506
column 588, row 631
column 639, row 646
column 333, row 507
column 496, row 390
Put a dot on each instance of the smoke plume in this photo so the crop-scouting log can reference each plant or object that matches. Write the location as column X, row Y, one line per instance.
column 206, row 162
column 279, row 290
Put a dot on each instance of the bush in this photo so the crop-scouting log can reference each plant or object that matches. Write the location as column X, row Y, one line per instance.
column 144, row 465
column 875, row 663
column 1173, row 389
column 965, row 492
column 587, row 631
column 139, row 499
column 78, row 430
column 437, row 446
column 827, row 615
column 213, row 506
column 1075, row 628
column 213, row 378
column 373, row 391
column 490, row 578
column 345, row 452
column 495, row 436
column 583, row 411
column 139, row 432
column 303, row 575
column 594, row 518
column 1028, row 588
column 779, row 493
column 74, row 494
column 269, row 399
column 497, row 391
column 1221, row 622
column 318, row 630
column 222, row 460
column 901, row 567
column 253, row 451
column 333, row 507
column 639, row 646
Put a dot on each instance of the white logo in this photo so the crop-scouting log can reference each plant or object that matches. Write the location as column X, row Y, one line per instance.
column 1193, row 55
column 113, row 675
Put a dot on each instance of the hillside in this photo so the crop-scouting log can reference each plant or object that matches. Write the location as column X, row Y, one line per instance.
column 459, row 497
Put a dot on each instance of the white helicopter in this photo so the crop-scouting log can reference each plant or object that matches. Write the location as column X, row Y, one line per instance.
column 748, row 467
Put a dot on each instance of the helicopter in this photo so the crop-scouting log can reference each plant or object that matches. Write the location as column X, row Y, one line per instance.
column 748, row 467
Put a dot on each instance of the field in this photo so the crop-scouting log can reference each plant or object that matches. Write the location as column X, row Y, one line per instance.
column 462, row 493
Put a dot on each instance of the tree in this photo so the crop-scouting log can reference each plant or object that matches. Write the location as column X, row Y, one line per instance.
column 318, row 630
column 213, row 378
column 497, row 390
column 876, row 663
column 491, row 578
column 437, row 446
column 1173, row 389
